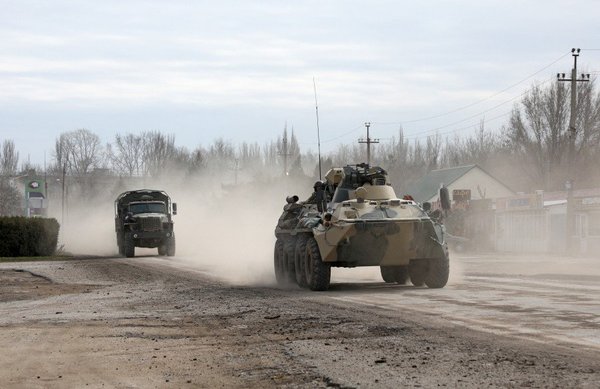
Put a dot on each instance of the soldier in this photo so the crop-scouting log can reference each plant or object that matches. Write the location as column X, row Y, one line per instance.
column 319, row 196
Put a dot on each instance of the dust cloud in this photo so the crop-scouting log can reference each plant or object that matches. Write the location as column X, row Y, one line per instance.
column 88, row 230
column 225, row 230
column 456, row 270
column 231, row 231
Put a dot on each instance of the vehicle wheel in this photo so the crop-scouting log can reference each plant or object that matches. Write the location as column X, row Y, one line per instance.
column 318, row 273
column 278, row 262
column 171, row 246
column 439, row 271
column 300, row 262
column 397, row 274
column 120, row 245
column 129, row 248
column 289, row 265
column 387, row 273
column 162, row 249
column 417, row 271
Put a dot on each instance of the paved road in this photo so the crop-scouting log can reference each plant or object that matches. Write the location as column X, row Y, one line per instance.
column 544, row 299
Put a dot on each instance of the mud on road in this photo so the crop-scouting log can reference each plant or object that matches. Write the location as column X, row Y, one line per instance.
column 143, row 323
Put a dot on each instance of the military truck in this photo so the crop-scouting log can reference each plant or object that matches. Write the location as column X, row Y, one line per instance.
column 143, row 218
column 354, row 218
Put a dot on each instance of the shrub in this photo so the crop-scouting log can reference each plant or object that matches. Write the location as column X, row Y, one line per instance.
column 28, row 237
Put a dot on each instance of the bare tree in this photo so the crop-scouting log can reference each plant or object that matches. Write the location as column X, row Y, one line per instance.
column 475, row 149
column 126, row 154
column 197, row 161
column 250, row 159
column 433, row 151
column 10, row 198
column 538, row 132
column 159, row 150
column 588, row 127
column 538, row 135
column 9, row 159
column 80, row 151
column 220, row 156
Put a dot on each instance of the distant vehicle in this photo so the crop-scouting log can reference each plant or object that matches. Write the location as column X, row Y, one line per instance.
column 354, row 218
column 143, row 218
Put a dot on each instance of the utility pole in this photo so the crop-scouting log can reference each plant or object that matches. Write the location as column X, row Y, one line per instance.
column 368, row 141
column 571, row 148
column 64, row 176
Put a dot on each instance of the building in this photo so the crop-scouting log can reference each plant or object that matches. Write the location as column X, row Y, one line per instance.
column 538, row 223
column 464, row 183
column 473, row 192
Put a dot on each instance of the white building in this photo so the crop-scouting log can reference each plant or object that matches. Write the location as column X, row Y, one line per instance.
column 469, row 181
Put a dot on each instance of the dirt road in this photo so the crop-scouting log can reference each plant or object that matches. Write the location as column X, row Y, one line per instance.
column 157, row 322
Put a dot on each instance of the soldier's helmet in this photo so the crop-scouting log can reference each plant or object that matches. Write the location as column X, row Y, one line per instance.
column 319, row 185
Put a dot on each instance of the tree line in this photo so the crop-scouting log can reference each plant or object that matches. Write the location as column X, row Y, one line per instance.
column 528, row 153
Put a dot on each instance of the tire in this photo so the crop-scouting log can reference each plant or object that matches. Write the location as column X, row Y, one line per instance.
column 129, row 248
column 278, row 262
column 120, row 245
column 289, row 266
column 439, row 271
column 300, row 262
column 162, row 249
column 398, row 274
column 170, row 249
column 318, row 273
column 387, row 273
column 417, row 271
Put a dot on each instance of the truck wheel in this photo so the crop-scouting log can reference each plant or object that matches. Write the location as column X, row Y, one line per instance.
column 288, row 261
column 278, row 262
column 300, row 262
column 171, row 246
column 129, row 249
column 318, row 273
column 417, row 271
column 162, row 249
column 439, row 271
column 397, row 274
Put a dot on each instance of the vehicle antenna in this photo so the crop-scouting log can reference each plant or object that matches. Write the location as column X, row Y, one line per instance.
column 318, row 130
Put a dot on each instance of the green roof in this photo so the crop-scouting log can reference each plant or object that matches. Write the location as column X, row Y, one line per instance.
column 429, row 186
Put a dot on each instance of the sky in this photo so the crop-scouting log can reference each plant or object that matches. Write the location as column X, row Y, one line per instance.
column 243, row 70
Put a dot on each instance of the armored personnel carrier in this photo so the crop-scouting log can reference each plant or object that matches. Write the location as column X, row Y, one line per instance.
column 354, row 218
column 143, row 218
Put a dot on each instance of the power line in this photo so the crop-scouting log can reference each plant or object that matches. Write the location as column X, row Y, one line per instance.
column 434, row 130
column 422, row 135
column 355, row 129
column 482, row 100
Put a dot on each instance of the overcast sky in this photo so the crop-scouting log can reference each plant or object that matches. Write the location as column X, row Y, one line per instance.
column 240, row 70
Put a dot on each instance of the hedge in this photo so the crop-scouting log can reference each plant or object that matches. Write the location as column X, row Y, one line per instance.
column 27, row 237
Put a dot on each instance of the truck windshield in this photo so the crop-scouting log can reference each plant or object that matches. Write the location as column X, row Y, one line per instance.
column 147, row 208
